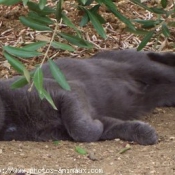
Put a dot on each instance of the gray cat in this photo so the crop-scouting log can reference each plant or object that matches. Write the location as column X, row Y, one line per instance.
column 108, row 92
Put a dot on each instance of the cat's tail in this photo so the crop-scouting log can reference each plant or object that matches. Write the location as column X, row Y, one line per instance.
column 166, row 58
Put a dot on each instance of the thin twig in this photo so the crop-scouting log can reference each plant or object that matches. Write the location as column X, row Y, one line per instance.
column 46, row 53
column 48, row 48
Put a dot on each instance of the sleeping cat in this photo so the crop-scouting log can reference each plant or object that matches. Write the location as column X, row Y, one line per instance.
column 108, row 92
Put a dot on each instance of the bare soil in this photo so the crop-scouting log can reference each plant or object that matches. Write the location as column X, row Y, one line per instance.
column 102, row 157
column 114, row 157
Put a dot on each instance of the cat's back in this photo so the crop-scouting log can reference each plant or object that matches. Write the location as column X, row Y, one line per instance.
column 80, row 69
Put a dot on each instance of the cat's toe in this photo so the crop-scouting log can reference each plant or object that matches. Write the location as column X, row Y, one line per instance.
column 144, row 134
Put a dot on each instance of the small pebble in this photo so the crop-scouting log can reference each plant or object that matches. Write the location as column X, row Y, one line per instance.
column 111, row 163
column 172, row 138
column 92, row 156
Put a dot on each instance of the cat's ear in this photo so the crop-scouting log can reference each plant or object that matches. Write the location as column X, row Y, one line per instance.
column 166, row 58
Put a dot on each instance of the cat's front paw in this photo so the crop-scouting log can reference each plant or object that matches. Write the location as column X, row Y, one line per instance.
column 144, row 134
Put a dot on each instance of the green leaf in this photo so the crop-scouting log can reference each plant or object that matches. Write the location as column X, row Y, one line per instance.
column 80, row 150
column 20, row 52
column 164, row 3
column 99, row 1
column 127, row 147
column 35, row 46
column 48, row 98
column 141, row 5
column 158, row 10
column 112, row 7
column 58, row 76
column 56, row 142
column 19, row 83
column 40, row 19
column 84, row 20
column 88, row 2
column 148, row 23
column 85, row 2
column 35, row 7
column 165, row 30
column 41, row 96
column 38, row 80
column 17, row 65
column 26, row 74
column 97, row 25
column 76, row 41
column 25, row 2
column 68, row 22
column 82, row 2
column 100, row 18
column 59, row 10
column 137, row 31
column 145, row 40
column 171, row 23
column 62, row 46
column 42, row 4
column 151, row 9
column 9, row 2
column 33, row 24
column 94, row 10
column 170, row 13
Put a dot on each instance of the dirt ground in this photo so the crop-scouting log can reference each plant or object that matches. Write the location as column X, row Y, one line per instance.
column 102, row 158
column 114, row 157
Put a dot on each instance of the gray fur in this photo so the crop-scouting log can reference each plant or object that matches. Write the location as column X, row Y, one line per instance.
column 108, row 92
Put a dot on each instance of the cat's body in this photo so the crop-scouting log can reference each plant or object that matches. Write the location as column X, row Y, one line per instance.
column 107, row 92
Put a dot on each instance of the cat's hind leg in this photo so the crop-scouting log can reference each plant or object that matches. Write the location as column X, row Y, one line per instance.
column 136, row 131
